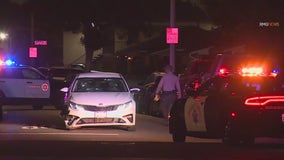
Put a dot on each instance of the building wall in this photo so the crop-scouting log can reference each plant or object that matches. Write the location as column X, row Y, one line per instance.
column 73, row 49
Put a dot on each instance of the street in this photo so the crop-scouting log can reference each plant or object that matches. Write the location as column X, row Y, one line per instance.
column 39, row 134
column 23, row 123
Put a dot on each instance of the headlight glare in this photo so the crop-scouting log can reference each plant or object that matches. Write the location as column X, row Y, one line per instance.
column 75, row 106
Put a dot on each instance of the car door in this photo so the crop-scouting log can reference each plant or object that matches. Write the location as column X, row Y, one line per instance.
column 36, row 85
column 11, row 84
column 202, row 110
column 195, row 111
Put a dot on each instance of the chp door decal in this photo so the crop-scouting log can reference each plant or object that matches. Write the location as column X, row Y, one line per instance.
column 194, row 114
column 45, row 87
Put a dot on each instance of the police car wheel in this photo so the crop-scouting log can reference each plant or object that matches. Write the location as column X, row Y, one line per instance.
column 178, row 137
column 234, row 136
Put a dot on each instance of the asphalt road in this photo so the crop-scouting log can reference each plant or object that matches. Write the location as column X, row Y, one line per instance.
column 39, row 134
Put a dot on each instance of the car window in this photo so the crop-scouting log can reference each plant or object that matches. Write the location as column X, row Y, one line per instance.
column 44, row 71
column 30, row 74
column 11, row 73
column 213, row 86
column 150, row 79
column 99, row 85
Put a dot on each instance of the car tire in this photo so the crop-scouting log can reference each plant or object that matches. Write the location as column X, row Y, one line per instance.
column 68, row 128
column 236, row 137
column 178, row 137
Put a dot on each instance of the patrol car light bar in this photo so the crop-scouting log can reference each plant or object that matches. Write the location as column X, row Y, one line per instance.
column 249, row 72
column 257, row 72
column 263, row 100
column 7, row 62
column 252, row 71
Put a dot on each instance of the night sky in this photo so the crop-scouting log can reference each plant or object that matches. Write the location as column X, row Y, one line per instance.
column 239, row 20
column 224, row 12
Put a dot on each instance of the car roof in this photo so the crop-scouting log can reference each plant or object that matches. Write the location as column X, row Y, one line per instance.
column 59, row 68
column 99, row 74
column 17, row 66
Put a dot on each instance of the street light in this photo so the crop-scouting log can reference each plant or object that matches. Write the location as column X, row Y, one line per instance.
column 5, row 42
column 3, row 36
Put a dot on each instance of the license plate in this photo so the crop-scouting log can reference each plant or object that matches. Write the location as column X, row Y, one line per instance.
column 100, row 114
column 283, row 117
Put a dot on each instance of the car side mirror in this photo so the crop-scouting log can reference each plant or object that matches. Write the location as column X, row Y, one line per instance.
column 135, row 90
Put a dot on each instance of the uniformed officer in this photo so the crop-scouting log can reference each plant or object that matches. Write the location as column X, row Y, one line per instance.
column 169, row 90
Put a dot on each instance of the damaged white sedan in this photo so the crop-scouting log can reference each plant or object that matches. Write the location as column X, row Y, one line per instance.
column 99, row 99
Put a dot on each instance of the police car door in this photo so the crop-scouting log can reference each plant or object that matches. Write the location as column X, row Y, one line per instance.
column 11, row 84
column 201, row 110
column 194, row 112
column 37, row 86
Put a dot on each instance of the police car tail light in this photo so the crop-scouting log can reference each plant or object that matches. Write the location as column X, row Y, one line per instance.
column 261, row 101
column 233, row 114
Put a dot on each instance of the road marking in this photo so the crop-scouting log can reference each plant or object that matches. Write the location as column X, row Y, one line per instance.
column 71, row 134
column 33, row 127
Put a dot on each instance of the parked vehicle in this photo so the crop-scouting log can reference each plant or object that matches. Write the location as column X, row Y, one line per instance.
column 100, row 99
column 60, row 77
column 145, row 98
column 191, row 79
column 236, row 105
column 23, row 85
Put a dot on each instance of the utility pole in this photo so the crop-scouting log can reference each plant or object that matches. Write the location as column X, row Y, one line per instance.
column 172, row 25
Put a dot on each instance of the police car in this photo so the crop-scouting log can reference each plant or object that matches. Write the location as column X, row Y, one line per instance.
column 236, row 105
column 23, row 85
column 100, row 99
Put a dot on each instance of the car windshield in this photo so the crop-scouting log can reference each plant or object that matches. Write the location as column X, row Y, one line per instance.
column 99, row 85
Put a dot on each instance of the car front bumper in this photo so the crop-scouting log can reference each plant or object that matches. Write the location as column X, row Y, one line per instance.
column 77, row 118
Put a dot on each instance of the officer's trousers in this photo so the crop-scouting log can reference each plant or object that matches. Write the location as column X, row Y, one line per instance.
column 166, row 102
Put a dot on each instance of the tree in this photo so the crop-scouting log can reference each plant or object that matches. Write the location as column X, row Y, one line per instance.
column 240, row 20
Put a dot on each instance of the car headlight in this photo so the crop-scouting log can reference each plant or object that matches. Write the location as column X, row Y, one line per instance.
column 126, row 105
column 75, row 106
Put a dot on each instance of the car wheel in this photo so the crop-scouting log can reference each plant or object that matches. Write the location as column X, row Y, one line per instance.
column 178, row 137
column 36, row 107
column 68, row 127
column 235, row 137
column 177, row 130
